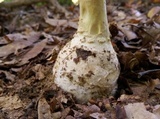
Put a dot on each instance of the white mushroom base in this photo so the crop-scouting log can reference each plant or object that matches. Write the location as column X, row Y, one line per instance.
column 87, row 69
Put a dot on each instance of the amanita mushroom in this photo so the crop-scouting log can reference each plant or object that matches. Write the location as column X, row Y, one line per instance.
column 87, row 66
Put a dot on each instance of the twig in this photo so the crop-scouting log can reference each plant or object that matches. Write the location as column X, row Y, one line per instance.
column 17, row 3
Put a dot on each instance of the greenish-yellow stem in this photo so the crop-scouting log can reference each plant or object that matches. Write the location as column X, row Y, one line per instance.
column 93, row 18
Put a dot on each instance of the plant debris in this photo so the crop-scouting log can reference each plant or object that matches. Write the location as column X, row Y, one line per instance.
column 31, row 37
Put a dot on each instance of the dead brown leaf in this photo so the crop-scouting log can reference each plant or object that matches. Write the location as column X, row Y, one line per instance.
column 65, row 112
column 36, row 50
column 87, row 110
column 59, row 23
column 138, row 111
column 120, row 112
column 98, row 115
column 156, row 111
column 10, row 102
column 153, row 11
column 19, row 42
column 69, row 117
column 44, row 109
column 56, row 115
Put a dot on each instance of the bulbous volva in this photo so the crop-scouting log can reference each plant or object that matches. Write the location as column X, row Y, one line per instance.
column 87, row 70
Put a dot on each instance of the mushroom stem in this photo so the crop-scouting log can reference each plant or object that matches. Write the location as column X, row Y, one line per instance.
column 93, row 18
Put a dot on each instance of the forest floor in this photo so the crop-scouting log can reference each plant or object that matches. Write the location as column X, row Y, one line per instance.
column 31, row 37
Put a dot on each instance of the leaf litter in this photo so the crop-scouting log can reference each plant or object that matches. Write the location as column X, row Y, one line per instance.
column 31, row 40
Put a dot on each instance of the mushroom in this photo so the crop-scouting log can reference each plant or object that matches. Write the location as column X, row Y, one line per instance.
column 87, row 66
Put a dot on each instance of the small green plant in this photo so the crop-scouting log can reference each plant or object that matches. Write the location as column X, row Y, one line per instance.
column 65, row 2
column 7, row 0
column 40, row 3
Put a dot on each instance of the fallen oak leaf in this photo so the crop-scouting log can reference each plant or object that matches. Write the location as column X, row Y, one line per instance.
column 56, row 115
column 98, row 115
column 65, row 112
column 156, row 111
column 6, row 64
column 37, row 49
column 62, row 22
column 51, row 40
column 69, row 117
column 44, row 109
column 147, row 35
column 77, row 114
column 138, row 111
column 12, row 26
column 152, row 12
column 87, row 110
column 120, row 112
column 10, row 102
column 19, row 42
column 127, row 32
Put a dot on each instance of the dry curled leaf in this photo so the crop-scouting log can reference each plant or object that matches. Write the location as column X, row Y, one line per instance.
column 138, row 111
column 44, row 109
column 153, row 11
column 65, row 112
column 156, row 111
column 10, row 102
column 36, row 50
column 98, row 115
column 19, row 42
column 120, row 112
